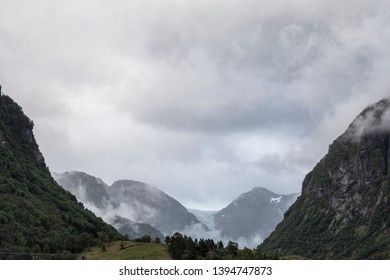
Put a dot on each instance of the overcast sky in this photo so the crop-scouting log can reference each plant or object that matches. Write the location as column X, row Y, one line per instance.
column 203, row 99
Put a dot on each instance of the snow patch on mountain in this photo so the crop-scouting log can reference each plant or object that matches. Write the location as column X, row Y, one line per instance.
column 276, row 199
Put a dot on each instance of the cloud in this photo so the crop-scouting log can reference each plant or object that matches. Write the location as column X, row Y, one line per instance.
column 374, row 119
column 198, row 231
column 204, row 99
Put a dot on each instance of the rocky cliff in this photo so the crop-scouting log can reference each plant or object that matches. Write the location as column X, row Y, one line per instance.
column 344, row 209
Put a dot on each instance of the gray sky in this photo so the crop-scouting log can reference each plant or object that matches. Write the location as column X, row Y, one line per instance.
column 202, row 99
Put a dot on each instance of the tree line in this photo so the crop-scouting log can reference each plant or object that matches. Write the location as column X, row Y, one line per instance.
column 183, row 247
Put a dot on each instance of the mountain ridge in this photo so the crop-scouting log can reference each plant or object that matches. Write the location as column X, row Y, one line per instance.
column 130, row 199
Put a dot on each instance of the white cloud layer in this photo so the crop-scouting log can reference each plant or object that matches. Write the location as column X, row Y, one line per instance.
column 203, row 99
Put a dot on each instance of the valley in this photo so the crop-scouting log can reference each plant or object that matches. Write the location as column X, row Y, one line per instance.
column 341, row 213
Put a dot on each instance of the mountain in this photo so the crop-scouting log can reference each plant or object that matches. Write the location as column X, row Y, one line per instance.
column 37, row 217
column 86, row 188
column 135, row 230
column 344, row 209
column 206, row 217
column 93, row 192
column 254, row 214
column 150, row 205
column 132, row 200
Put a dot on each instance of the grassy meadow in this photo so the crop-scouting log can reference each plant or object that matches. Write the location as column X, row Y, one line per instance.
column 127, row 250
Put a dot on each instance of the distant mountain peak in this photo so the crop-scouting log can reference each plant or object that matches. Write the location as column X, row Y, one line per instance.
column 254, row 213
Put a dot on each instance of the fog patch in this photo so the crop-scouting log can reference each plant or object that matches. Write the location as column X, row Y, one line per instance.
column 374, row 119
column 198, row 231
column 136, row 212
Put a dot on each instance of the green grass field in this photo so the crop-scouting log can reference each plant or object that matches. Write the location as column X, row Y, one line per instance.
column 128, row 251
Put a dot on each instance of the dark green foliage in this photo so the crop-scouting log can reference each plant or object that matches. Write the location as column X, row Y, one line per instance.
column 37, row 217
column 144, row 239
column 232, row 248
column 182, row 247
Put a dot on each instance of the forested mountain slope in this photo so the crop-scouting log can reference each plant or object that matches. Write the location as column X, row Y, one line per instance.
column 37, row 217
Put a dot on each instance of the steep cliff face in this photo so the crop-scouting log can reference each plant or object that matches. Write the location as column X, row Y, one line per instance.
column 344, row 209
column 37, row 217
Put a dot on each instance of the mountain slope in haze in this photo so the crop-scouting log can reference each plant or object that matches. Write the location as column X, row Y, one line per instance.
column 255, row 213
column 38, row 217
column 85, row 187
column 344, row 209
column 135, row 201
column 135, row 230
column 93, row 193
column 152, row 206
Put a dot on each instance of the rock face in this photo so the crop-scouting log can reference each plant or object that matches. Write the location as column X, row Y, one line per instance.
column 135, row 201
column 344, row 209
column 253, row 214
column 37, row 217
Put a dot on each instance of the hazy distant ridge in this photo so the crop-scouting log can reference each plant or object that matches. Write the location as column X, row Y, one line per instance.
column 136, row 202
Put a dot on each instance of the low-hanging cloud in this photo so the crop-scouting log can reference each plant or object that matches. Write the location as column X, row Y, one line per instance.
column 198, row 231
column 374, row 119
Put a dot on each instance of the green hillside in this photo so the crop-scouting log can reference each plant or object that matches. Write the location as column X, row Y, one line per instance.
column 37, row 217
column 127, row 250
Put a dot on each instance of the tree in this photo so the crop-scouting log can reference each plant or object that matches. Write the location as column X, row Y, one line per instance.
column 144, row 239
column 232, row 248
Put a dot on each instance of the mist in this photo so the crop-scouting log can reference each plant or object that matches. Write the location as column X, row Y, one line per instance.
column 374, row 119
column 198, row 231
